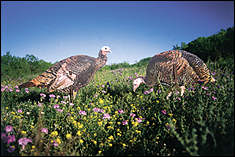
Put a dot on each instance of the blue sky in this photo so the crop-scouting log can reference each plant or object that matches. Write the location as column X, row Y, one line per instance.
column 134, row 30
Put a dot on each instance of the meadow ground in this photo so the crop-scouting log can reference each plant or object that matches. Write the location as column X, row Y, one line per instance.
column 108, row 118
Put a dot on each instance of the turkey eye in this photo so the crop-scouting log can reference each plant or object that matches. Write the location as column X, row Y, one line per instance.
column 105, row 48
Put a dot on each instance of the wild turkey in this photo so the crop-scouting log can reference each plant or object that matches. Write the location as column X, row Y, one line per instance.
column 174, row 68
column 70, row 74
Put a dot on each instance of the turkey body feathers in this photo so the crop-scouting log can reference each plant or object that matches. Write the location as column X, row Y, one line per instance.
column 176, row 67
column 73, row 72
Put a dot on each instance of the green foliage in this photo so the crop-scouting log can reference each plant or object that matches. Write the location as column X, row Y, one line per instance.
column 213, row 47
column 13, row 67
column 200, row 123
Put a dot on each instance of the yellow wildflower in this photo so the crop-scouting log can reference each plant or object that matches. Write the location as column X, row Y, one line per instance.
column 54, row 134
column 157, row 101
column 170, row 114
column 174, row 120
column 79, row 133
column 58, row 141
column 6, row 108
column 95, row 134
column 33, row 147
column 137, row 131
column 100, row 123
column 110, row 144
column 111, row 137
column 101, row 101
column 23, row 132
column 99, row 152
column 81, row 141
column 68, row 136
column 119, row 134
column 124, row 145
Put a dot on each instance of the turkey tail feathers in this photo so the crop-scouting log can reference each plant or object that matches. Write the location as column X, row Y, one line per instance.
column 27, row 84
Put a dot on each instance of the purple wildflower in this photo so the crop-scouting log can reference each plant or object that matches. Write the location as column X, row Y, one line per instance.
column 10, row 89
column 214, row 98
column 10, row 139
column 55, row 143
column 96, row 109
column 204, row 88
column 44, row 130
column 71, row 104
column 59, row 110
column 148, row 91
column 26, row 90
column 16, row 86
column 139, row 120
column 43, row 95
column 124, row 122
column 17, row 90
column 56, row 106
column 106, row 116
column 132, row 115
column 136, row 75
column 24, row 141
column 102, row 86
column 19, row 111
column 82, row 112
column 63, row 102
column 163, row 111
column 39, row 104
column 52, row 96
column 120, row 111
column 9, row 128
column 11, row 149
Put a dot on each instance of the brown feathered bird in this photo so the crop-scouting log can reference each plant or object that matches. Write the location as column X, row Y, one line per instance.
column 174, row 68
column 70, row 74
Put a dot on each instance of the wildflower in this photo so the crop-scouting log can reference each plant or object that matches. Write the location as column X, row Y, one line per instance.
column 214, row 98
column 39, row 104
column 174, row 120
column 52, row 96
column 110, row 144
column 71, row 104
column 33, row 147
column 124, row 122
column 63, row 102
column 163, row 111
column 101, row 101
column 17, row 90
column 94, row 142
column 44, row 130
column 119, row 134
column 79, row 133
column 19, row 111
column 167, row 125
column 56, row 106
column 68, row 136
column 120, row 111
column 138, row 131
column 99, row 152
column 10, row 139
column 16, row 86
column 106, row 116
column 11, row 149
column 23, row 132
column 55, row 144
column 10, row 90
column 59, row 110
column 3, row 136
column 81, row 141
column 132, row 115
column 58, row 141
column 204, row 88
column 100, row 123
column 111, row 137
column 124, row 145
column 8, row 128
column 26, row 90
column 54, row 134
column 170, row 114
column 43, row 95
column 82, row 112
column 139, row 120
column 24, row 141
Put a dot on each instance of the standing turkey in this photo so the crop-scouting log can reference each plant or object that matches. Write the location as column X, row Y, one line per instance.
column 174, row 68
column 70, row 74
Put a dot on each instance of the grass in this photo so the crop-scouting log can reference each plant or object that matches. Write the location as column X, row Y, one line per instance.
column 108, row 118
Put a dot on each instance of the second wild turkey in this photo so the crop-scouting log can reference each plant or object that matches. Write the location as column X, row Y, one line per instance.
column 70, row 74
column 174, row 68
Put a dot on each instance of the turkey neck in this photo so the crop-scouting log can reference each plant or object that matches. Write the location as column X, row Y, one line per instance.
column 101, row 61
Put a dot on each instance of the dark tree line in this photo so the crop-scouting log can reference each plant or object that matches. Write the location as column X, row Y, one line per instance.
column 213, row 47
column 13, row 67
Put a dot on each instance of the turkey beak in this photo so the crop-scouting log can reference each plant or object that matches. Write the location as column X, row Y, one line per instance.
column 109, row 51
